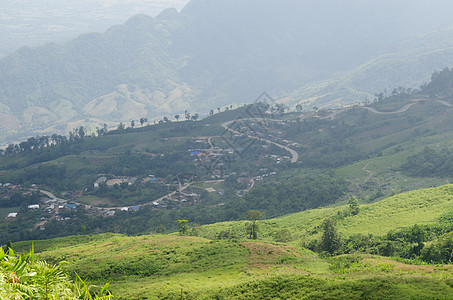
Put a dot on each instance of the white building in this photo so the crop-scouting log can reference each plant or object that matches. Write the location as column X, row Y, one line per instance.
column 99, row 181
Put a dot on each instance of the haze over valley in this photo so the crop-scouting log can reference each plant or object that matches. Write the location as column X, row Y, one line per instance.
column 217, row 53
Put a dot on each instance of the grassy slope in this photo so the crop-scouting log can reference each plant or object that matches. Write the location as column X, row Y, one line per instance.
column 161, row 266
column 204, row 269
column 414, row 207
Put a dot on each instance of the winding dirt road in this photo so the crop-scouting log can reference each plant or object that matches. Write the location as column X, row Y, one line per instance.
column 370, row 174
column 444, row 103
column 397, row 111
column 403, row 108
column 294, row 154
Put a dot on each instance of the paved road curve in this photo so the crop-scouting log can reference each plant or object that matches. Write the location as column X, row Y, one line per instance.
column 294, row 154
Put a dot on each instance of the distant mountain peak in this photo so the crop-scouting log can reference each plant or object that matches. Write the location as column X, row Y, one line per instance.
column 139, row 19
column 169, row 13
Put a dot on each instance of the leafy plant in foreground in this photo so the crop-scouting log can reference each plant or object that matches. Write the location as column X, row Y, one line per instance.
column 24, row 277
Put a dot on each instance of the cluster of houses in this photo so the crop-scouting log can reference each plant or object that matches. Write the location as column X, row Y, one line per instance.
column 11, row 187
column 112, row 211
column 275, row 158
column 213, row 161
column 50, row 207
column 261, row 177
column 271, row 132
column 7, row 189
column 178, row 199
column 117, row 180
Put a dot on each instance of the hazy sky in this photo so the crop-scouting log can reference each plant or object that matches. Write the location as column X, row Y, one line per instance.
column 36, row 22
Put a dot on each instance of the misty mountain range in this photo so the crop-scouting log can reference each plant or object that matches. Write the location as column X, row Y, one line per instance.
column 36, row 22
column 215, row 53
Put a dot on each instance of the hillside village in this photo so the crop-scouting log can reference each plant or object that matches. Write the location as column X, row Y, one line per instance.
column 210, row 161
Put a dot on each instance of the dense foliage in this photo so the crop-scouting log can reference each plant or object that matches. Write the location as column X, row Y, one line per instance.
column 24, row 277
column 429, row 163
column 293, row 196
column 430, row 243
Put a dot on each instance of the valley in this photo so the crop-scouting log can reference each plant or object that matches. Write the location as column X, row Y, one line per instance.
column 242, row 151
column 248, row 201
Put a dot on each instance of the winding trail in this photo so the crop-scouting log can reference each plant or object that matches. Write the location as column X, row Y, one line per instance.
column 211, row 144
column 251, row 186
column 444, row 103
column 370, row 174
column 294, row 154
column 441, row 121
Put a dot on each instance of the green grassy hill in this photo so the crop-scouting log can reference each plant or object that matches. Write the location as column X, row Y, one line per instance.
column 403, row 210
column 171, row 267
column 204, row 267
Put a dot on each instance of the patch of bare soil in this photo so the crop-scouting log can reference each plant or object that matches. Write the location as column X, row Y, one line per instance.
column 263, row 254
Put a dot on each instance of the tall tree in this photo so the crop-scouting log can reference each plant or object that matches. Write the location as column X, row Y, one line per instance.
column 252, row 227
column 353, row 205
column 330, row 240
column 82, row 132
column 299, row 107
column 183, row 226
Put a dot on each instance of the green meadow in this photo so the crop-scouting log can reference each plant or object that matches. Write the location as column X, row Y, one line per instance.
column 171, row 266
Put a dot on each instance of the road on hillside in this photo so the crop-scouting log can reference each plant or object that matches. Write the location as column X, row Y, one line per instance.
column 370, row 174
column 444, row 103
column 294, row 154
column 373, row 110
column 181, row 188
column 397, row 111
column 52, row 196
